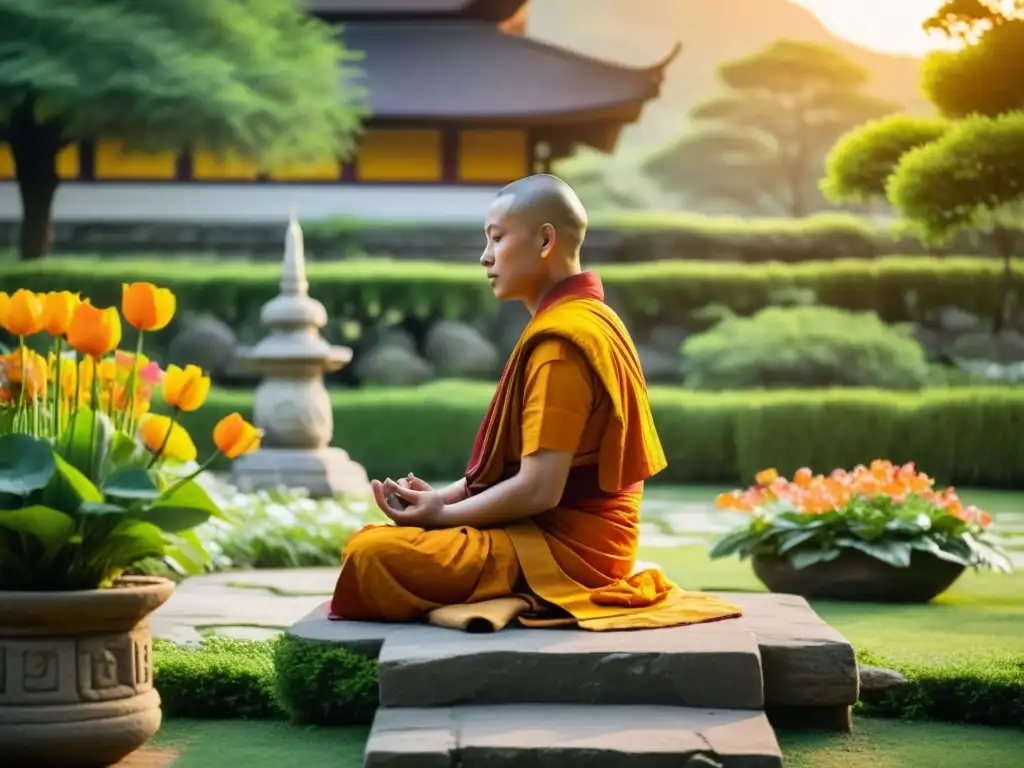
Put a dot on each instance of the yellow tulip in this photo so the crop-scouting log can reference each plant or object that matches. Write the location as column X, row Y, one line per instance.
column 146, row 307
column 58, row 307
column 94, row 332
column 23, row 315
column 185, row 389
column 106, row 371
column 154, row 428
column 234, row 436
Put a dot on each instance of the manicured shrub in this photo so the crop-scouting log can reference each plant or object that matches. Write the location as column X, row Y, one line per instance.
column 984, row 690
column 962, row 436
column 220, row 679
column 321, row 684
column 813, row 347
column 357, row 294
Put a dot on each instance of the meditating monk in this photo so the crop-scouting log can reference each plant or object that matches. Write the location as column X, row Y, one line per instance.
column 544, row 526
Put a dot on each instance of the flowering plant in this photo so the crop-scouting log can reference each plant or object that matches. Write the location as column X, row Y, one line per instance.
column 886, row 511
column 92, row 482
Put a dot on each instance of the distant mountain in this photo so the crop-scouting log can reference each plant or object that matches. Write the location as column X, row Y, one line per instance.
column 640, row 32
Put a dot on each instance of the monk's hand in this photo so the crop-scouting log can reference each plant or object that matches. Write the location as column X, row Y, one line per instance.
column 411, row 481
column 425, row 507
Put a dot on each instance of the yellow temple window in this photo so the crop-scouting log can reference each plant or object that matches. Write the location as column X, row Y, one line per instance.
column 400, row 154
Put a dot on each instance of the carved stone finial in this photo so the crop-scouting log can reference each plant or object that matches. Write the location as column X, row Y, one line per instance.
column 293, row 270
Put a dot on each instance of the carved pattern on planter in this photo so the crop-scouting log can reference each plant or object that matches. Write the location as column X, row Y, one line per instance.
column 46, row 671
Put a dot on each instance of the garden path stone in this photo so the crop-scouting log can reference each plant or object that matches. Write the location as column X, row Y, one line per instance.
column 672, row 666
column 804, row 661
column 244, row 604
column 559, row 736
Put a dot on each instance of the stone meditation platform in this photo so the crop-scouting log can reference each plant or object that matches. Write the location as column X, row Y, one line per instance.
column 703, row 695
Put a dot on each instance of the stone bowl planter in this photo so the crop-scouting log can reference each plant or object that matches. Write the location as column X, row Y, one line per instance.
column 76, row 673
column 858, row 577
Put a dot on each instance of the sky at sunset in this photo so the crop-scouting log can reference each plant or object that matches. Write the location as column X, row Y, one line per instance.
column 893, row 26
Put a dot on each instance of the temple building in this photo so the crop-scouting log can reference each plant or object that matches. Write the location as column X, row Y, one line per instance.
column 461, row 102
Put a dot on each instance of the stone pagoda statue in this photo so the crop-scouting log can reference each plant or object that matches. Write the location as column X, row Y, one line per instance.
column 292, row 406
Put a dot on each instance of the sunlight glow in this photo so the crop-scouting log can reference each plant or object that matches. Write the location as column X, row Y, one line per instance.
column 893, row 26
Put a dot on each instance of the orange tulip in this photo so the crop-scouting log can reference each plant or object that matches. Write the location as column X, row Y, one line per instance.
column 154, row 428
column 5, row 302
column 234, row 436
column 37, row 376
column 23, row 315
column 146, row 307
column 766, row 477
column 94, row 332
column 185, row 389
column 58, row 308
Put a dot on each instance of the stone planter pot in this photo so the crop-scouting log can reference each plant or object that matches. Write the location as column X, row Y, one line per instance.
column 859, row 577
column 76, row 674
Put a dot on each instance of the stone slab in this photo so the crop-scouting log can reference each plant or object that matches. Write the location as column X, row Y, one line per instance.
column 672, row 667
column 804, row 661
column 567, row 736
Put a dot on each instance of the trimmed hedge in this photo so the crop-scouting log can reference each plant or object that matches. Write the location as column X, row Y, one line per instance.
column 967, row 436
column 987, row 690
column 323, row 685
column 898, row 288
column 626, row 236
column 308, row 683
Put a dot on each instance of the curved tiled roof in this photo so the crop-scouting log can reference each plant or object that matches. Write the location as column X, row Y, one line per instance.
column 468, row 69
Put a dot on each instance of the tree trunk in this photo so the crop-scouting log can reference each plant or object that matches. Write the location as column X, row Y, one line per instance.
column 35, row 149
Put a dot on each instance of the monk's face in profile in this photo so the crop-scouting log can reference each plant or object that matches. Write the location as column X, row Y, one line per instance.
column 513, row 257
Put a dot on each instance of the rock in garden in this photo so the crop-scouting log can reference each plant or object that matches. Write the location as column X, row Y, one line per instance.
column 390, row 365
column 204, row 341
column 876, row 681
column 958, row 320
column 457, row 350
column 668, row 339
column 659, row 367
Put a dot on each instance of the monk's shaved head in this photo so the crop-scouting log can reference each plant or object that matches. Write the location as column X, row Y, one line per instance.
column 545, row 199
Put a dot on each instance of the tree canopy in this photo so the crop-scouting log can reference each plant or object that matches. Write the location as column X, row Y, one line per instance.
column 762, row 142
column 969, row 178
column 862, row 160
column 257, row 78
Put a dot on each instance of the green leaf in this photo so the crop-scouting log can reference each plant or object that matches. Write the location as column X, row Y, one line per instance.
column 173, row 519
column 126, row 452
column 895, row 553
column 68, row 489
column 131, row 483
column 792, row 539
column 26, row 464
column 75, row 444
column 931, row 547
column 191, row 495
column 805, row 558
column 50, row 527
column 129, row 542
column 93, row 509
column 729, row 544
column 187, row 552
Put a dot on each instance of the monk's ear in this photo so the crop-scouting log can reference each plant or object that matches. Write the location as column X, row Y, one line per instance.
column 547, row 240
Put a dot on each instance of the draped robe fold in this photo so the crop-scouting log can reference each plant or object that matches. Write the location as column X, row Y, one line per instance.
column 573, row 383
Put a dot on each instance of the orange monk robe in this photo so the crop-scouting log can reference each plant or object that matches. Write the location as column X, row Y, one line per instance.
column 573, row 384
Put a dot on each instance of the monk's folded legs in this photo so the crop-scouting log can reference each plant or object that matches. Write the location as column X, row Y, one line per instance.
column 400, row 574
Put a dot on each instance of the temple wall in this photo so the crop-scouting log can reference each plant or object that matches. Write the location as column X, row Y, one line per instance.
column 392, row 155
column 256, row 203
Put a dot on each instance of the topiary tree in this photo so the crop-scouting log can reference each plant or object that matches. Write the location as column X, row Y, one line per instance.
column 761, row 144
column 258, row 78
column 972, row 178
column 862, row 160
column 812, row 347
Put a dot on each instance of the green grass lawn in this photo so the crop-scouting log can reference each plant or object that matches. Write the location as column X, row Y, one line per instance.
column 874, row 744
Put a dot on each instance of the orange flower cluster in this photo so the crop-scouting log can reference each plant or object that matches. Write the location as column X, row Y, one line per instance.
column 816, row 494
